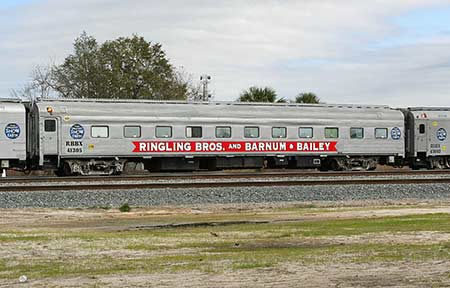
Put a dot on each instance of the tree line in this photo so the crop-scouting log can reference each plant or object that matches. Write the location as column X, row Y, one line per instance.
column 125, row 68
column 267, row 94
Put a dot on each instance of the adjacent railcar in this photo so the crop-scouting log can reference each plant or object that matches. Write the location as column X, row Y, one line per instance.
column 13, row 136
column 428, row 145
column 101, row 137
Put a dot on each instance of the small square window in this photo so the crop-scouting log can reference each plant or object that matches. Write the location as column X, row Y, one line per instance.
column 279, row 132
column 356, row 133
column 251, row 132
column 381, row 133
column 132, row 131
column 163, row 132
column 331, row 133
column 194, row 132
column 422, row 128
column 305, row 132
column 223, row 132
column 99, row 131
column 50, row 125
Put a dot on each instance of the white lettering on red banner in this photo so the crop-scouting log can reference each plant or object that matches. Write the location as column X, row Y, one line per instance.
column 232, row 147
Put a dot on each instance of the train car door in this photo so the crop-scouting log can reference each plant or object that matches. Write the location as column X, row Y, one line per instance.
column 421, row 138
column 50, row 137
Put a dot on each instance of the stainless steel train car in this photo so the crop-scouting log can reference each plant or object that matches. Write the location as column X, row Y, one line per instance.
column 101, row 137
column 92, row 137
column 428, row 145
column 13, row 138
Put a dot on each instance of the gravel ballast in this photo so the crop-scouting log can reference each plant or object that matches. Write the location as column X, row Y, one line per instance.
column 184, row 196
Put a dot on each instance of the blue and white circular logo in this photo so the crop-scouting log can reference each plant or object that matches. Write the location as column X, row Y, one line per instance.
column 396, row 133
column 12, row 131
column 441, row 134
column 76, row 131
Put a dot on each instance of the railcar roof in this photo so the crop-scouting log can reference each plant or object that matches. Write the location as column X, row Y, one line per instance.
column 431, row 113
column 429, row 108
column 168, row 102
column 11, row 100
column 222, row 110
column 12, row 107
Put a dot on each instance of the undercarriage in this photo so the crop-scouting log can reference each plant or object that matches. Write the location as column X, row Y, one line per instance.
column 92, row 167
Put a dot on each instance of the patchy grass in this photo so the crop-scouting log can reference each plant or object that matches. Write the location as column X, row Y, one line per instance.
column 84, row 251
column 15, row 237
column 140, row 246
column 343, row 227
column 356, row 253
column 252, row 265
column 217, row 259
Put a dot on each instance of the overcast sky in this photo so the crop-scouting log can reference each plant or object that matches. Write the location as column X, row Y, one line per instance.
column 355, row 51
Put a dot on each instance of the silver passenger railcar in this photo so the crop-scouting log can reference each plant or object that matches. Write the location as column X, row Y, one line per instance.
column 13, row 134
column 102, row 136
column 428, row 144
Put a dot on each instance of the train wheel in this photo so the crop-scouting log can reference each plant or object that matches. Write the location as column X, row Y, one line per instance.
column 373, row 163
column 367, row 166
column 437, row 163
column 66, row 169
column 324, row 168
column 334, row 165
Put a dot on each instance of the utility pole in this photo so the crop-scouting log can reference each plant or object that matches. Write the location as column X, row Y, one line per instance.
column 204, row 80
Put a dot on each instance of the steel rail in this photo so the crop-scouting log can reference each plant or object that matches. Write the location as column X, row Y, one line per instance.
column 221, row 175
column 171, row 185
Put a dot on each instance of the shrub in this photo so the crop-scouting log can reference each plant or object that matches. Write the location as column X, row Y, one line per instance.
column 125, row 208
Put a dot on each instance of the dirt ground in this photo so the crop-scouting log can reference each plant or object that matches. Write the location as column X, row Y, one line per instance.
column 404, row 244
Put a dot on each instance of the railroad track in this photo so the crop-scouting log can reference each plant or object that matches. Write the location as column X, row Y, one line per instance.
column 220, row 175
column 222, row 184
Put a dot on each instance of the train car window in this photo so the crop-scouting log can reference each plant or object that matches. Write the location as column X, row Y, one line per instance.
column 132, row 131
column 279, row 132
column 356, row 133
column 422, row 128
column 381, row 133
column 331, row 132
column 251, row 132
column 163, row 131
column 223, row 132
column 305, row 132
column 99, row 131
column 50, row 125
column 194, row 132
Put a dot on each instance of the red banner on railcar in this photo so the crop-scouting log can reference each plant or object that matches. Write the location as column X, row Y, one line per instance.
column 233, row 147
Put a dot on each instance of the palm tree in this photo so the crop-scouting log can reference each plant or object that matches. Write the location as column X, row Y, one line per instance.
column 307, row 98
column 257, row 94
